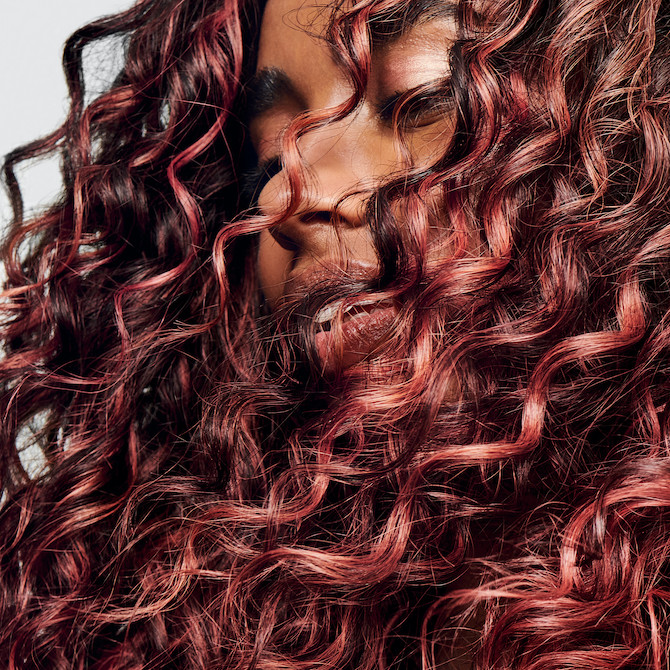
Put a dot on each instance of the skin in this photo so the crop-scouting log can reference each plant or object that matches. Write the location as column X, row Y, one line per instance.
column 350, row 156
column 357, row 152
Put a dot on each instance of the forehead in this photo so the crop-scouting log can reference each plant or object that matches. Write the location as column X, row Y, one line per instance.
column 298, row 14
column 291, row 30
column 286, row 19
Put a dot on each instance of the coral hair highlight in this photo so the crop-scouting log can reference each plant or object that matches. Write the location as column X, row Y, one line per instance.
column 211, row 499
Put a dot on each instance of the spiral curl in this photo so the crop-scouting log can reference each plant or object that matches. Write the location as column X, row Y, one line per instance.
column 209, row 499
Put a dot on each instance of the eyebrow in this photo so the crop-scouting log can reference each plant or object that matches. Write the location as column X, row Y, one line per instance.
column 269, row 85
column 265, row 89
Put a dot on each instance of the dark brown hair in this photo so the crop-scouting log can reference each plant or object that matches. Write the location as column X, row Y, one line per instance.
column 211, row 499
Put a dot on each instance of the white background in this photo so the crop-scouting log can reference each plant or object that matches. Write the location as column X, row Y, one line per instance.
column 34, row 96
column 32, row 35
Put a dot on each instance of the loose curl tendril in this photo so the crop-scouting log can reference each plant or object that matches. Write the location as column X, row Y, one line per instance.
column 209, row 499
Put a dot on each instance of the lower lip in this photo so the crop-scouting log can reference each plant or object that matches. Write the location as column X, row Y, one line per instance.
column 355, row 339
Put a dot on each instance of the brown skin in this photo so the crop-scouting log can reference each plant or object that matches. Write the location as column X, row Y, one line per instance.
column 357, row 152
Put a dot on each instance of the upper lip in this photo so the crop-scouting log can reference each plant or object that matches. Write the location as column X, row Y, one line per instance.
column 301, row 281
column 339, row 306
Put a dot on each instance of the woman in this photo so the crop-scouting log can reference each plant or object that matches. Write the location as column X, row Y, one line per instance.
column 346, row 345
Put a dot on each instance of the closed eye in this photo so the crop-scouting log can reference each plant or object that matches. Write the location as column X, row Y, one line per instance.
column 255, row 180
column 417, row 107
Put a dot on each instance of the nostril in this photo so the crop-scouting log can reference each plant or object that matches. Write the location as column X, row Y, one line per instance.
column 284, row 241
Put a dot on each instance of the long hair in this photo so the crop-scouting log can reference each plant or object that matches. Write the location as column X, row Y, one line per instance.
column 493, row 485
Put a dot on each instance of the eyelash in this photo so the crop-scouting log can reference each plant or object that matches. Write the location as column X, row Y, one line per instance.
column 255, row 179
column 413, row 116
column 432, row 104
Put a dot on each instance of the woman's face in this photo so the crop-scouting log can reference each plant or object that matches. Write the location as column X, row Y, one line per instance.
column 296, row 72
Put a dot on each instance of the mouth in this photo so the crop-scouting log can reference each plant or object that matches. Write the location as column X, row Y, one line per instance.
column 351, row 329
column 358, row 310
column 350, row 334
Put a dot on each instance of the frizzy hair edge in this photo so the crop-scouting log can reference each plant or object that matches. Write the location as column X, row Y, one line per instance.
column 187, row 518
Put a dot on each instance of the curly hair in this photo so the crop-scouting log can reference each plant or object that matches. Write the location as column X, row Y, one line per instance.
column 211, row 498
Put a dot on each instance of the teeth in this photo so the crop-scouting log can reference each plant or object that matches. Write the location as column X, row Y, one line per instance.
column 358, row 309
column 329, row 312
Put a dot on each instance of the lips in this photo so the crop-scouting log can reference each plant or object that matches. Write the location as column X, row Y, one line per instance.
column 350, row 330
column 358, row 332
column 358, row 310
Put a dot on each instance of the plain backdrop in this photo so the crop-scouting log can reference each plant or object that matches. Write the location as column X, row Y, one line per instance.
column 32, row 36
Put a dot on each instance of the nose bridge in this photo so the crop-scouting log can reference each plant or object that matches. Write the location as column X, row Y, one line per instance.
column 333, row 145
column 336, row 163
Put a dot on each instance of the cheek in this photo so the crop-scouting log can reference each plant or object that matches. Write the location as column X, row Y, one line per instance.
column 427, row 145
column 274, row 263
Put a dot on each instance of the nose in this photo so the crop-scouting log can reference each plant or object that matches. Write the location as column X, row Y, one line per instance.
column 325, row 218
column 338, row 170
